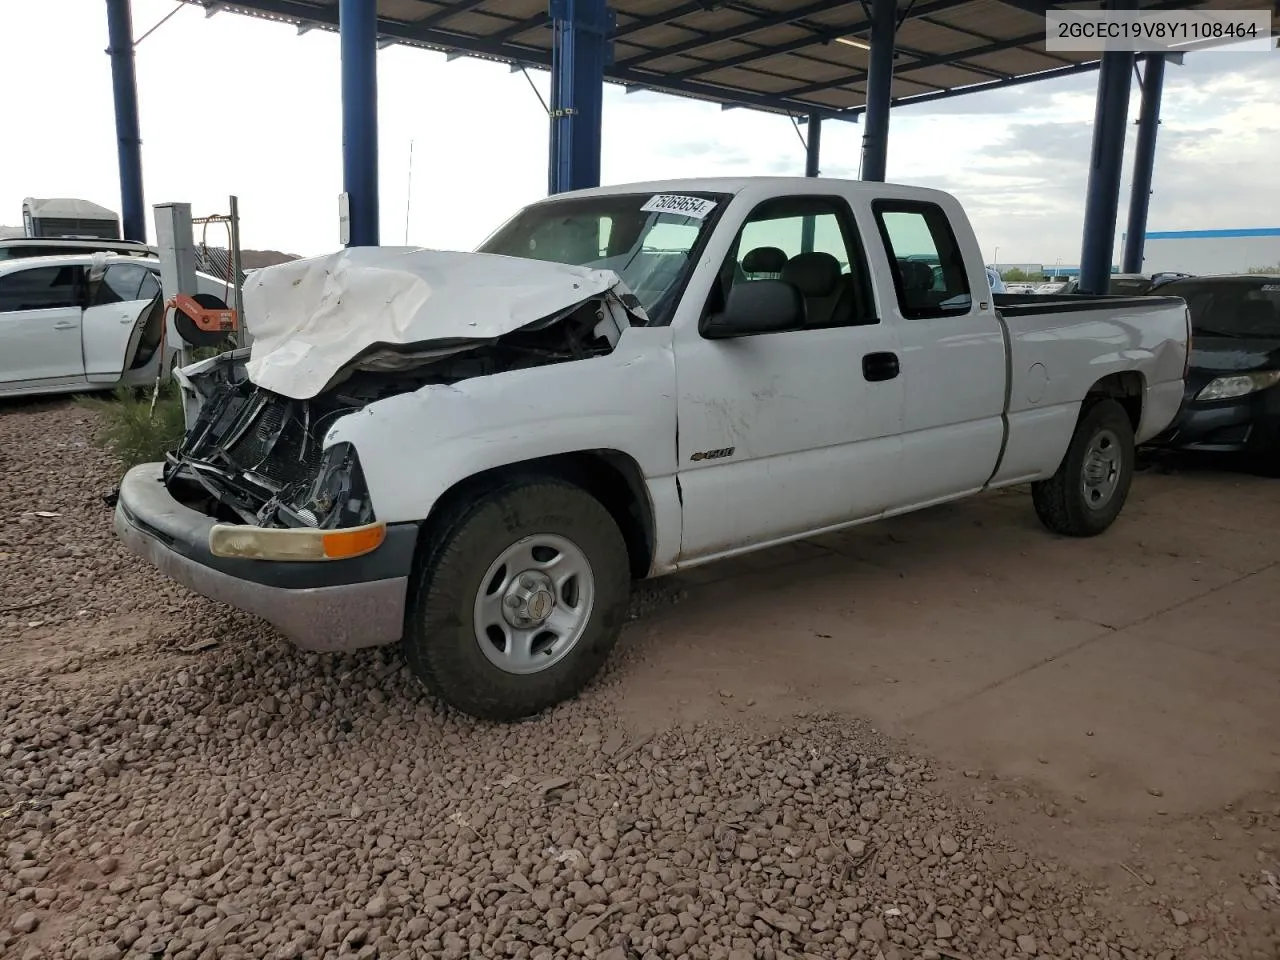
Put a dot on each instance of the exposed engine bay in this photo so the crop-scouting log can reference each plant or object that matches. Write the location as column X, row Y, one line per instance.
column 255, row 456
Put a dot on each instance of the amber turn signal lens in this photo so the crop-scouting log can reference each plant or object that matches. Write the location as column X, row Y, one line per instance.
column 352, row 543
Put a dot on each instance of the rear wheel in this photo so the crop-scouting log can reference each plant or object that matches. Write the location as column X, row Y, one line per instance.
column 1090, row 488
column 519, row 600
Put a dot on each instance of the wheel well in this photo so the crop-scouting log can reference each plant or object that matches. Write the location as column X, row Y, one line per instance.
column 1127, row 388
column 610, row 476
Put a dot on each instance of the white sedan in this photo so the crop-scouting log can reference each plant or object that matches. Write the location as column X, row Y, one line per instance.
column 83, row 322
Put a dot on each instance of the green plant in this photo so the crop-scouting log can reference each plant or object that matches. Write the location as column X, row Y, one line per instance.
column 1275, row 269
column 132, row 430
column 1016, row 275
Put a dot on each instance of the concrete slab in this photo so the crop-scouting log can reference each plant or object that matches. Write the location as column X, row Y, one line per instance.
column 1120, row 717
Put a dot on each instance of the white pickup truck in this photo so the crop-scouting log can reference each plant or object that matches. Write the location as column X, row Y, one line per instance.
column 476, row 453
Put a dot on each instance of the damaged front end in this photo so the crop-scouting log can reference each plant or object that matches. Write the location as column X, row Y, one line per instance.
column 254, row 456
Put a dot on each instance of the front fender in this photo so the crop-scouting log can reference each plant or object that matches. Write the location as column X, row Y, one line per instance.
column 413, row 447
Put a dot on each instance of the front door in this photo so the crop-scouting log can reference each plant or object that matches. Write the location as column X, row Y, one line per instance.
column 786, row 433
column 40, row 315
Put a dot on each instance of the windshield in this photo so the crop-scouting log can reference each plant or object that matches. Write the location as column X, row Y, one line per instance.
column 650, row 248
column 1236, row 307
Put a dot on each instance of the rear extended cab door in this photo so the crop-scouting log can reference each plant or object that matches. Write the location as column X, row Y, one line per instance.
column 932, row 283
column 40, row 320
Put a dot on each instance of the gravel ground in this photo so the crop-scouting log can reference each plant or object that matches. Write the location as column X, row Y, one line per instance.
column 177, row 782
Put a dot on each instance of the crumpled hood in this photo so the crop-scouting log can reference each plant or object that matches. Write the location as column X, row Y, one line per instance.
column 310, row 319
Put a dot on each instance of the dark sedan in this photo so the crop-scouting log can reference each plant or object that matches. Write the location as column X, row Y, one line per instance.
column 1232, row 403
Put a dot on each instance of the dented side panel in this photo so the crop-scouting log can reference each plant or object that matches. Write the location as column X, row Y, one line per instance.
column 624, row 401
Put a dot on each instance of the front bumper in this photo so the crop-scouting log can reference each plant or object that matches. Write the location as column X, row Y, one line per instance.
column 1249, row 424
column 318, row 605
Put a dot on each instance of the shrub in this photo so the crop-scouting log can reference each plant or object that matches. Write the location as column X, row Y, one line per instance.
column 132, row 430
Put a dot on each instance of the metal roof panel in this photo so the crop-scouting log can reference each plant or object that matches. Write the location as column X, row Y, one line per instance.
column 779, row 56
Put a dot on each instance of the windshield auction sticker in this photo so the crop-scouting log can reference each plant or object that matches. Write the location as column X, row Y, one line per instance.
column 682, row 206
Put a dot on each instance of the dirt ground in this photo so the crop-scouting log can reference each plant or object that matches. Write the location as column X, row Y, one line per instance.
column 946, row 735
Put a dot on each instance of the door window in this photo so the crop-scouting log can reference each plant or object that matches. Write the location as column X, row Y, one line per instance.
column 928, row 268
column 42, row 288
column 122, row 283
column 810, row 243
column 150, row 288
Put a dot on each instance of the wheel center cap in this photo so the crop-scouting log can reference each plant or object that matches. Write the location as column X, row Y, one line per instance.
column 540, row 605
column 529, row 600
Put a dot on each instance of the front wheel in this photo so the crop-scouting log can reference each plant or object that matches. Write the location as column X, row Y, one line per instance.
column 519, row 600
column 1087, row 493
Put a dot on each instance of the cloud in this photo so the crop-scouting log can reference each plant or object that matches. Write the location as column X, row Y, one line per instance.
column 1020, row 163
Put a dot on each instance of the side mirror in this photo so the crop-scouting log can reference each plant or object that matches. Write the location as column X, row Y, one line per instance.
column 757, row 306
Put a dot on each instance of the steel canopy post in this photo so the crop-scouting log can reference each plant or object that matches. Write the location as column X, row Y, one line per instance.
column 128, row 140
column 812, row 154
column 875, row 136
column 813, row 146
column 581, row 47
column 358, row 40
column 1102, row 199
column 1144, row 162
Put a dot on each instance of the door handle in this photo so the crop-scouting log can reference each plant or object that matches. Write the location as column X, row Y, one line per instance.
column 65, row 325
column 880, row 366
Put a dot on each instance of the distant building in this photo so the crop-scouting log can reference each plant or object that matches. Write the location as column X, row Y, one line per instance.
column 1067, row 273
column 1211, row 251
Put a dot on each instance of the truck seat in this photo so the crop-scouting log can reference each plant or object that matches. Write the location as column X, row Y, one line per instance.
column 826, row 296
column 764, row 260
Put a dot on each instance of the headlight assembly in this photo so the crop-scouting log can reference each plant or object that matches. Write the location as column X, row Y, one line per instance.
column 1240, row 385
column 337, row 497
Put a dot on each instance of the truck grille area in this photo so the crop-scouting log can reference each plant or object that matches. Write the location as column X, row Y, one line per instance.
column 277, row 446
column 249, row 450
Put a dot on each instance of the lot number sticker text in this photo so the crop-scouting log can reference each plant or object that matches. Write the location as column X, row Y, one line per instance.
column 694, row 207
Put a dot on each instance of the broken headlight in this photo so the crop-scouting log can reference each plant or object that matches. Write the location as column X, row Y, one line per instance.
column 337, row 496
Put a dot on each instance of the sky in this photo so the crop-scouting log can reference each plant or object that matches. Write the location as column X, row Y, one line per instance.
column 230, row 104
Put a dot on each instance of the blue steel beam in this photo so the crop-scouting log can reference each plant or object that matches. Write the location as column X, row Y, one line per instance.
column 1144, row 161
column 581, row 41
column 358, row 40
column 875, row 132
column 124, row 88
column 1102, row 199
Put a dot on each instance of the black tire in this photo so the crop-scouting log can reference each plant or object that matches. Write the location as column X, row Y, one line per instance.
column 442, row 642
column 1061, row 502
